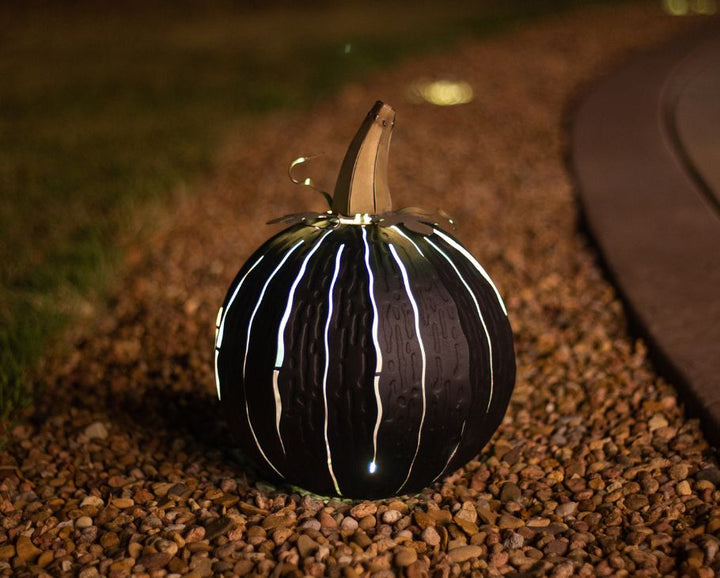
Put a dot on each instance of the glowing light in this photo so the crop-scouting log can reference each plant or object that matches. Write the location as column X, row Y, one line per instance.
column 338, row 258
column 358, row 219
column 676, row 7
column 686, row 7
column 441, row 92
column 372, row 467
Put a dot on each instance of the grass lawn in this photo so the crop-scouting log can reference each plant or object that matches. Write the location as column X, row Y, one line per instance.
column 107, row 108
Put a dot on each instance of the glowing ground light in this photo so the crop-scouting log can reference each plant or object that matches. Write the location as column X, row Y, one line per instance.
column 441, row 92
column 687, row 7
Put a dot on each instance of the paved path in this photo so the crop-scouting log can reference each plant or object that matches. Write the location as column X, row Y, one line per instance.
column 646, row 153
column 125, row 466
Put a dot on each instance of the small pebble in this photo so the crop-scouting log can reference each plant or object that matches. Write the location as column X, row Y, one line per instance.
column 464, row 553
column 510, row 522
column 83, row 522
column 363, row 509
column 683, row 488
column 312, row 524
column 391, row 516
column 431, row 536
column 349, row 524
column 92, row 501
column 514, row 541
column 96, row 430
column 405, row 556
column 510, row 492
column 306, row 545
column 566, row 509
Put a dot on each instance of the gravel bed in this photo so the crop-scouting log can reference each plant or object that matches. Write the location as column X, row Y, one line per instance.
column 125, row 466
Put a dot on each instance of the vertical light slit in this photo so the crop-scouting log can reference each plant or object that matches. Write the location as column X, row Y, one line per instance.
column 217, row 374
column 452, row 454
column 378, row 350
column 399, row 232
column 260, row 298
column 221, row 330
column 280, row 355
column 416, row 314
column 338, row 258
column 278, row 406
column 217, row 351
column 220, row 324
column 473, row 261
column 480, row 315
column 247, row 347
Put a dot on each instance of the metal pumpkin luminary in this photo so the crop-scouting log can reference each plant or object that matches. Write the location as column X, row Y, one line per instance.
column 361, row 352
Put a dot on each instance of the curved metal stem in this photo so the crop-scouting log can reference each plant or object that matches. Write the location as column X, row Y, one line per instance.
column 362, row 185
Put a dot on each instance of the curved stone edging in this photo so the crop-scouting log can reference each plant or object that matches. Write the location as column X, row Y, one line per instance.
column 640, row 158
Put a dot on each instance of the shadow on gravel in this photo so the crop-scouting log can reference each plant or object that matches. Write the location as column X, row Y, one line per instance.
column 185, row 422
column 191, row 416
column 173, row 424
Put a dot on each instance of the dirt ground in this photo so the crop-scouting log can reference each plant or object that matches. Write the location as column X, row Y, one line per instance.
column 125, row 466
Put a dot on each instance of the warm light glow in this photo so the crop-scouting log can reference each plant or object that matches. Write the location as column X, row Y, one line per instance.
column 686, row 7
column 358, row 219
column 676, row 7
column 442, row 92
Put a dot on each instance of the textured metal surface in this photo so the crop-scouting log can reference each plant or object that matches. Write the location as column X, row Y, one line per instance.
column 363, row 361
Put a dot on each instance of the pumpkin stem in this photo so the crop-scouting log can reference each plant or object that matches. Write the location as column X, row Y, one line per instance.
column 362, row 185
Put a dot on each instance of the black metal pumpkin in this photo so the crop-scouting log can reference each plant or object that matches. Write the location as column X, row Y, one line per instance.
column 362, row 352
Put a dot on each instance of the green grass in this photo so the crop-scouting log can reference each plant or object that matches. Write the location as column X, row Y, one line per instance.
column 107, row 109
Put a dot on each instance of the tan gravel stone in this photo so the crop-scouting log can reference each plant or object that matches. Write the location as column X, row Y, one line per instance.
column 195, row 534
column 508, row 522
column 423, row 520
column 431, row 536
column 537, row 522
column 83, row 522
column 7, row 551
column 45, row 558
column 363, row 509
column 26, row 550
column 93, row 501
column 306, row 545
column 135, row 549
column 683, row 488
column 391, row 516
column 252, row 510
column 327, row 521
column 486, row 515
column 464, row 553
column 277, row 521
column 405, row 556
column 657, row 421
column 368, row 522
column 96, row 430
column 440, row 516
column 154, row 561
column 349, row 524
